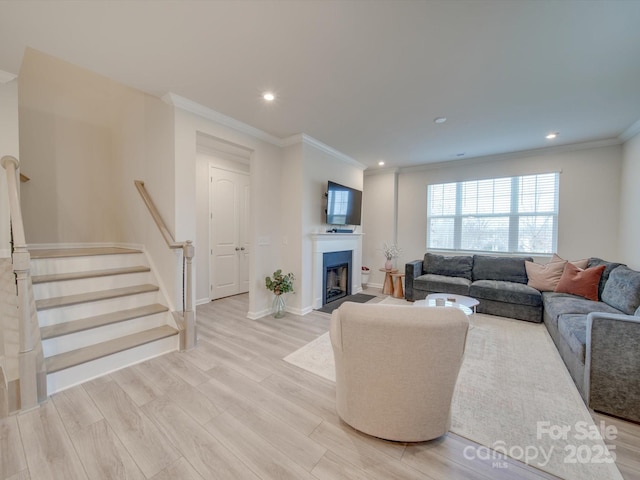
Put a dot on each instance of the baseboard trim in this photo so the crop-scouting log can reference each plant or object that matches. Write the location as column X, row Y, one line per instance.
column 47, row 246
column 259, row 314
column 202, row 301
column 300, row 311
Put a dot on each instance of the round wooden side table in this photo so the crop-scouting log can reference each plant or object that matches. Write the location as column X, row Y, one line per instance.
column 397, row 277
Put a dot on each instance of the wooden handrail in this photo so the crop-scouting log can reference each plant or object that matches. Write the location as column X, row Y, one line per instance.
column 188, row 334
column 155, row 214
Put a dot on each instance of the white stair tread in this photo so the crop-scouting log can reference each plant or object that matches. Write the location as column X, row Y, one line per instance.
column 58, row 277
column 93, row 352
column 83, row 324
column 54, row 302
column 79, row 252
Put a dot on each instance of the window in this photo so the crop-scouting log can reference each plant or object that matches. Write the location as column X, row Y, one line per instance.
column 510, row 215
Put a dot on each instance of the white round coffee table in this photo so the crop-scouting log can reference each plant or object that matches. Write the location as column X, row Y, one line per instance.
column 466, row 304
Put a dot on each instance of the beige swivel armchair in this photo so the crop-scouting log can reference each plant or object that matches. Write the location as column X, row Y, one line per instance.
column 396, row 368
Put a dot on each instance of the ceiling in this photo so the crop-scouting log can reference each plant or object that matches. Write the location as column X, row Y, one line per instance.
column 365, row 77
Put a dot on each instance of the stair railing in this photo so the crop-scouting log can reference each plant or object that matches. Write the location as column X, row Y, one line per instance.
column 188, row 333
column 31, row 372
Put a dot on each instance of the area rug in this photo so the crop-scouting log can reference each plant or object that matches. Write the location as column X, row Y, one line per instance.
column 357, row 298
column 515, row 396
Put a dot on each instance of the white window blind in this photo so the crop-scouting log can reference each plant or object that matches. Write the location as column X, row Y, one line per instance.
column 510, row 215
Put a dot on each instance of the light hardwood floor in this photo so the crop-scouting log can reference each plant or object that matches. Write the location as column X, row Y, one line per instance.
column 232, row 409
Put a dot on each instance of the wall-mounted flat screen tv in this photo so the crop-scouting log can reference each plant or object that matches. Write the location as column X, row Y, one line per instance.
column 344, row 205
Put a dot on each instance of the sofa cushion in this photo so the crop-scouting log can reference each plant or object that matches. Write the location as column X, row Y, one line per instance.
column 556, row 304
column 573, row 329
column 442, row 284
column 454, row 266
column 544, row 277
column 506, row 292
column 507, row 269
column 608, row 268
column 580, row 282
column 622, row 290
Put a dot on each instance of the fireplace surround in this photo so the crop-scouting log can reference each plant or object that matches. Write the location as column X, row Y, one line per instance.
column 335, row 242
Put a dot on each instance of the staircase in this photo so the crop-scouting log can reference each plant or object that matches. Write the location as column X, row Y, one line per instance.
column 99, row 310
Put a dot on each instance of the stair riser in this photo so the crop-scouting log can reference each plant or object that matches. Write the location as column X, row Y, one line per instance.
column 66, row 343
column 57, row 315
column 47, row 266
column 70, row 377
column 85, row 285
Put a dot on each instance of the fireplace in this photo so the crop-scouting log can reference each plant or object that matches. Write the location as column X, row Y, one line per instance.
column 337, row 268
column 325, row 242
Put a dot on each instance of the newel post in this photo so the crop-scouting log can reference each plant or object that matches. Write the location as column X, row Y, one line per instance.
column 29, row 358
column 190, row 332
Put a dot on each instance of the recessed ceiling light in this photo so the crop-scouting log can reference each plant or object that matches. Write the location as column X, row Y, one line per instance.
column 552, row 135
column 381, row 163
column 439, row 120
column 268, row 96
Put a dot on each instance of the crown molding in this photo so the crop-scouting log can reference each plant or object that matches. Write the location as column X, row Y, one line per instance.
column 573, row 147
column 371, row 171
column 6, row 77
column 630, row 132
column 309, row 140
column 210, row 114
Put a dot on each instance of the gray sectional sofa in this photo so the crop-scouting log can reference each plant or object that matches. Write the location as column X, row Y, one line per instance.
column 599, row 341
column 498, row 283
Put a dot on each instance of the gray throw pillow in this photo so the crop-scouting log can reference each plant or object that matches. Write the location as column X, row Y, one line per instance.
column 608, row 268
column 622, row 290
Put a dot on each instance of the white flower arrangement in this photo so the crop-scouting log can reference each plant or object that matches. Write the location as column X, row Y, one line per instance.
column 391, row 251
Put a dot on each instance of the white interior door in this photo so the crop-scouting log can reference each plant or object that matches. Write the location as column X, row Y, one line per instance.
column 229, row 204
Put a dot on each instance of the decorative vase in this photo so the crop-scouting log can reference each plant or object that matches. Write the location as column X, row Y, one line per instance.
column 365, row 278
column 388, row 265
column 279, row 306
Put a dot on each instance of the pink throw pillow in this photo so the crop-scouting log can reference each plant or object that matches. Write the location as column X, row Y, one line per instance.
column 544, row 277
column 578, row 263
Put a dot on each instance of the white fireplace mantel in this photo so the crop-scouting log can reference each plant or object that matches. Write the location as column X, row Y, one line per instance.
column 335, row 242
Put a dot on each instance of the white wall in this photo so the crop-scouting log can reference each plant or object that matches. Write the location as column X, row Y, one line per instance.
column 307, row 167
column 142, row 135
column 8, row 146
column 379, row 221
column 291, row 235
column 320, row 166
column 265, row 221
column 85, row 139
column 202, row 228
column 588, row 219
column 630, row 204
column 66, row 150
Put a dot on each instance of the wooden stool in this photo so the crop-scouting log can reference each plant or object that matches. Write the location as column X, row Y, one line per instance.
column 387, row 287
column 397, row 277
